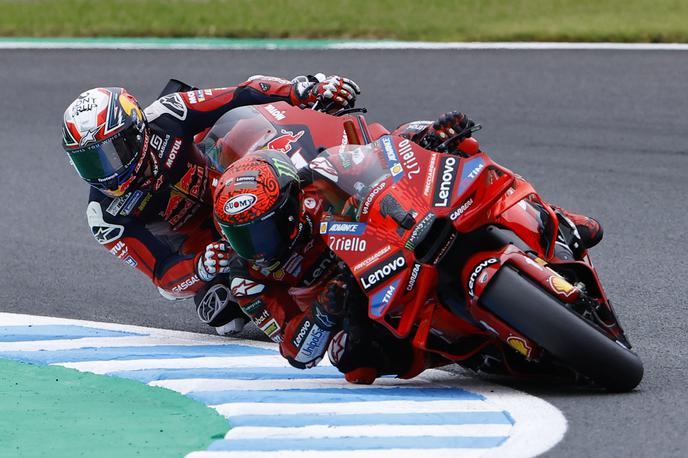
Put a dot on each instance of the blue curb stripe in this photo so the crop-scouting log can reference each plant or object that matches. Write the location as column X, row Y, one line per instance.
column 248, row 373
column 56, row 332
column 358, row 443
column 130, row 353
column 310, row 396
column 434, row 418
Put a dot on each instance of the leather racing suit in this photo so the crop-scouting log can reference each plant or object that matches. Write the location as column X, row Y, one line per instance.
column 162, row 225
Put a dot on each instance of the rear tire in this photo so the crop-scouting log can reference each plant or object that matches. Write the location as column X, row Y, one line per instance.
column 545, row 320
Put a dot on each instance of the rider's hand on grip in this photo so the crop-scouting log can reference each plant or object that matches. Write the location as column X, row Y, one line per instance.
column 331, row 93
column 446, row 127
column 214, row 261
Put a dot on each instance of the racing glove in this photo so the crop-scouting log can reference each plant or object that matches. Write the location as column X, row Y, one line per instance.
column 330, row 305
column 447, row 126
column 330, row 93
column 214, row 261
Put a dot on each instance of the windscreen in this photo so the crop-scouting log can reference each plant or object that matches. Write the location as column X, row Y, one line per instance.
column 358, row 170
column 235, row 134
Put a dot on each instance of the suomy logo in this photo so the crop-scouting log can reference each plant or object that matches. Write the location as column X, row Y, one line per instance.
column 383, row 271
column 239, row 203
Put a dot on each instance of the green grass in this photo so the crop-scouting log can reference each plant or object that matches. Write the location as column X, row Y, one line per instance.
column 440, row 20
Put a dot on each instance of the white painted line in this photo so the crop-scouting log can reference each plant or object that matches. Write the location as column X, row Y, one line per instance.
column 341, row 408
column 514, row 46
column 320, row 431
column 343, row 45
column 391, row 453
column 73, row 344
column 105, row 367
column 213, row 384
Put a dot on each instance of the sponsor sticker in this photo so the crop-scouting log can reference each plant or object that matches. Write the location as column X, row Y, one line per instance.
column 371, row 197
column 245, row 287
column 520, row 345
column 444, row 182
column 117, row 204
column 272, row 330
column 186, row 284
column 374, row 258
column 339, row 228
column 380, row 273
column 561, row 286
column 131, row 202
column 471, row 169
column 414, row 276
column 430, row 177
column 131, row 262
column 461, row 210
column 393, row 162
column 314, row 344
column 346, row 244
column 278, row 115
column 304, row 327
column 408, row 158
column 476, row 272
column 239, row 204
column 173, row 153
column 381, row 300
column 284, row 141
column 309, row 203
column 420, row 230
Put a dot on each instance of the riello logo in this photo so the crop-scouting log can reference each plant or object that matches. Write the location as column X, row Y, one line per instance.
column 239, row 203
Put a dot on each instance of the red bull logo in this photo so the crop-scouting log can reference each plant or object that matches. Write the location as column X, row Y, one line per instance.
column 284, row 141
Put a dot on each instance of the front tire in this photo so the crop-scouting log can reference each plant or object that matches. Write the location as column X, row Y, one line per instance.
column 572, row 340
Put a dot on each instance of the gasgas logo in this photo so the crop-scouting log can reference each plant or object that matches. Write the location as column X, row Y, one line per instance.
column 239, row 204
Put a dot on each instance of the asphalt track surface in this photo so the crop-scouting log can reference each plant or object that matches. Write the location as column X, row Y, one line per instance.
column 599, row 132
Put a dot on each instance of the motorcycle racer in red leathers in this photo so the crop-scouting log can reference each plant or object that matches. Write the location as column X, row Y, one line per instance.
column 150, row 199
column 287, row 279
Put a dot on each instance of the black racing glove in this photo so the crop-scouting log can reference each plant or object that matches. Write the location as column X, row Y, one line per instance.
column 446, row 127
column 330, row 305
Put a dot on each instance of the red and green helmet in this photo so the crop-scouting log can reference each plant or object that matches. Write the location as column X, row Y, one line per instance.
column 103, row 135
column 257, row 206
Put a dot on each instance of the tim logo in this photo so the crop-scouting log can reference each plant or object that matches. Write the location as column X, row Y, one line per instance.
column 284, row 141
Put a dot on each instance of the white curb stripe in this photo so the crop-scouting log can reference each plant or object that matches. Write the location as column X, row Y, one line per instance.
column 319, row 431
column 391, row 453
column 267, row 408
column 105, row 367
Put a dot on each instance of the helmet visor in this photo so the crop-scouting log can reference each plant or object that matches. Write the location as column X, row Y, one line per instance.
column 101, row 162
column 267, row 239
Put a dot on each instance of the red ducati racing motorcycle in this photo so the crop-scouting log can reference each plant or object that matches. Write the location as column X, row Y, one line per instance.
column 452, row 251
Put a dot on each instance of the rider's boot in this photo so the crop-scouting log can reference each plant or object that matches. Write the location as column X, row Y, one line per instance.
column 589, row 229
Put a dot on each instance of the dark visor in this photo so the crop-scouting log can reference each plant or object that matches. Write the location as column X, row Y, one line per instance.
column 111, row 157
column 267, row 239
